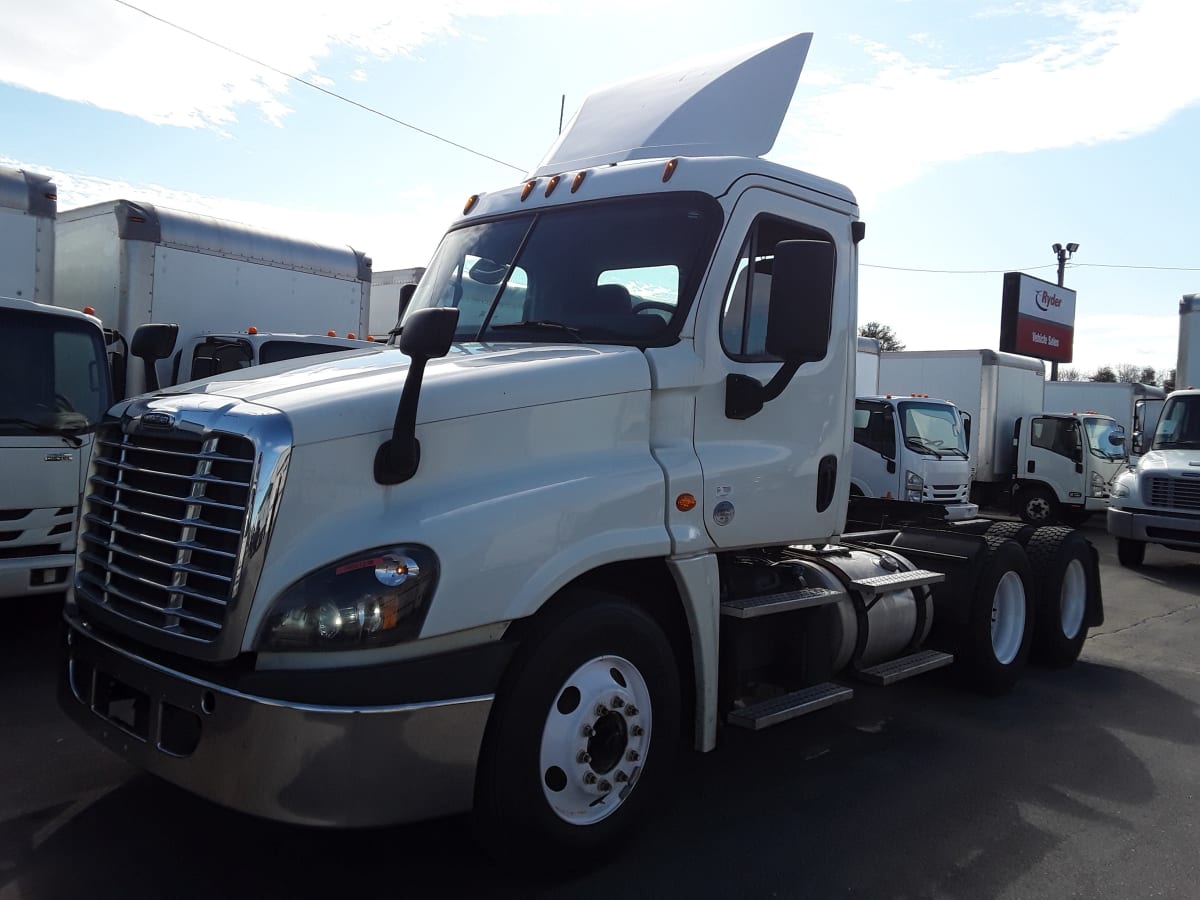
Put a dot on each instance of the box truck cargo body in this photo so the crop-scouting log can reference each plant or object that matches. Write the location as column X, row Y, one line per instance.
column 385, row 297
column 28, row 203
column 866, row 367
column 134, row 264
column 1187, row 370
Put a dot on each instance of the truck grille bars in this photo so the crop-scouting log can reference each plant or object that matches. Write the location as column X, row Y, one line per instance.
column 1173, row 493
column 162, row 528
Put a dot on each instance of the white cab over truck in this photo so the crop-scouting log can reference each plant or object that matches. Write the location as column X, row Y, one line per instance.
column 912, row 449
column 1133, row 406
column 134, row 264
column 590, row 502
column 1158, row 500
column 1047, row 466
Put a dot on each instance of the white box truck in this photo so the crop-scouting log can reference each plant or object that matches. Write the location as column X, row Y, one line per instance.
column 1048, row 467
column 390, row 290
column 866, row 367
column 508, row 562
column 1187, row 367
column 1134, row 406
column 134, row 264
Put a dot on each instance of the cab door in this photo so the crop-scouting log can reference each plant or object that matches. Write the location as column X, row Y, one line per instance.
column 780, row 473
column 875, row 469
column 1052, row 452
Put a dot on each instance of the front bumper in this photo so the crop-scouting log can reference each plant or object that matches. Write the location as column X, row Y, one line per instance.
column 306, row 764
column 1182, row 532
column 35, row 575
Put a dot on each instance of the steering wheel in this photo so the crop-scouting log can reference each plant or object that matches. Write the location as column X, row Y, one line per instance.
column 655, row 306
column 62, row 404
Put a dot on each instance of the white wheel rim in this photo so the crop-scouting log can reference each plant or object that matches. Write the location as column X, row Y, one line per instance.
column 595, row 740
column 1008, row 617
column 1073, row 598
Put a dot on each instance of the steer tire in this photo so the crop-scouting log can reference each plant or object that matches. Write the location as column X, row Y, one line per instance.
column 993, row 658
column 1130, row 553
column 534, row 808
column 1062, row 572
column 1037, row 505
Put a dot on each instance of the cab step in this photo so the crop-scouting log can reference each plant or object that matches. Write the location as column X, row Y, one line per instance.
column 789, row 706
column 905, row 667
column 897, row 581
column 768, row 604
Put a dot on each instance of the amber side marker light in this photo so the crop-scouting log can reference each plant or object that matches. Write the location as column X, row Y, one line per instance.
column 685, row 502
column 528, row 189
column 553, row 184
column 669, row 169
column 470, row 205
column 577, row 181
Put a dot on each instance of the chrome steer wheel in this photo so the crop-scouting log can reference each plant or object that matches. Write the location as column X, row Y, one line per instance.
column 595, row 738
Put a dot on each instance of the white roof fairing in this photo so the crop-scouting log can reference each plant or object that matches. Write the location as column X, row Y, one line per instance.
column 727, row 106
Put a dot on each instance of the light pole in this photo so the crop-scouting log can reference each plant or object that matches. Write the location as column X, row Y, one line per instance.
column 1063, row 254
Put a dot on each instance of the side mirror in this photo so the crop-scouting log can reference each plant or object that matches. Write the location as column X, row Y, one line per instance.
column 1117, row 440
column 799, row 322
column 966, row 421
column 406, row 294
column 427, row 335
column 150, row 343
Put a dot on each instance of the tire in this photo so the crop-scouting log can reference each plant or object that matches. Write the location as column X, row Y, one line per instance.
column 1130, row 553
column 1037, row 505
column 995, row 643
column 1017, row 531
column 560, row 783
column 1061, row 563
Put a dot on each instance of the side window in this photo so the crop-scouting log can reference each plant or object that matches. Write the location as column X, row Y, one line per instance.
column 874, row 428
column 212, row 357
column 746, row 305
column 1056, row 435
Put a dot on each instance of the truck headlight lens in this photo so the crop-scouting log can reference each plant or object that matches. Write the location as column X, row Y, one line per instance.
column 1099, row 488
column 371, row 599
column 1120, row 489
column 914, row 486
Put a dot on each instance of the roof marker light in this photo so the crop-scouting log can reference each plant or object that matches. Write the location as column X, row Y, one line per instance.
column 578, row 180
column 370, row 338
column 528, row 189
column 553, row 184
column 669, row 169
column 331, row 334
column 89, row 311
column 251, row 330
column 470, row 204
column 350, row 334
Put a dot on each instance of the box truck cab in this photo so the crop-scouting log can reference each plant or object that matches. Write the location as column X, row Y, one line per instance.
column 55, row 382
column 1158, row 500
column 1066, row 465
column 1134, row 406
column 915, row 449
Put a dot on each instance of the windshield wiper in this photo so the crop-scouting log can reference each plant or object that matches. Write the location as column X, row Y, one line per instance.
column 545, row 324
column 70, row 435
column 924, row 444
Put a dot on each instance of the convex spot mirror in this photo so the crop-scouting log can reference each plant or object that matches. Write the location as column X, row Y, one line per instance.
column 800, row 315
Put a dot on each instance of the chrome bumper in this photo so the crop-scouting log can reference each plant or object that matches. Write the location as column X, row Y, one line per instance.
column 312, row 765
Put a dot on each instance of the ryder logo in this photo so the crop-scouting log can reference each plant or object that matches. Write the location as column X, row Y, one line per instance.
column 1045, row 300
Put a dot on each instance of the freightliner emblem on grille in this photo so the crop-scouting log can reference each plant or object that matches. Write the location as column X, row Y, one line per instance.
column 158, row 420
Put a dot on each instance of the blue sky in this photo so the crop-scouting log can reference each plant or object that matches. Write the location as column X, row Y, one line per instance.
column 975, row 134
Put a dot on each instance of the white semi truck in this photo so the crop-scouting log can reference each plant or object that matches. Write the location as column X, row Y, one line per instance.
column 1158, row 500
column 1133, row 406
column 1048, row 466
column 591, row 501
column 136, row 264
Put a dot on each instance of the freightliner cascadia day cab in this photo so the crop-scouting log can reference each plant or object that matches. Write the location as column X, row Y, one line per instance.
column 591, row 504
column 52, row 393
column 136, row 264
column 1158, row 500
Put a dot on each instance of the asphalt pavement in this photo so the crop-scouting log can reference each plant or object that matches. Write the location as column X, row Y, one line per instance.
column 1079, row 783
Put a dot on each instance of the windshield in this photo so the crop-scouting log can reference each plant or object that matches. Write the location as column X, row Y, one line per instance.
column 933, row 428
column 620, row 272
column 1098, row 432
column 54, row 373
column 1179, row 424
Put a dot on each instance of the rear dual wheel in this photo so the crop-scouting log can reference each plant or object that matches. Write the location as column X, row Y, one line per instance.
column 996, row 641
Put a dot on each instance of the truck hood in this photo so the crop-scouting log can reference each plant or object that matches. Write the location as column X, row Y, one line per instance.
column 344, row 394
column 1170, row 462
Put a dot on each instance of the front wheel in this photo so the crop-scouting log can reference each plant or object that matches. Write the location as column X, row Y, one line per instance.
column 581, row 737
column 1037, row 505
column 995, row 645
column 1131, row 553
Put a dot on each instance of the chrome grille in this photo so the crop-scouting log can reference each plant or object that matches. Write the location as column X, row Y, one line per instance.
column 162, row 527
column 1173, row 493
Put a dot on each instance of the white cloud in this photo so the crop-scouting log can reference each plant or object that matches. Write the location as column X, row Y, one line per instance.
column 1118, row 71
column 110, row 56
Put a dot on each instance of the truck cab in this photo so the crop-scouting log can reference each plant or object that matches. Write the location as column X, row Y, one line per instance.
column 1066, row 464
column 914, row 449
column 1158, row 500
column 55, row 390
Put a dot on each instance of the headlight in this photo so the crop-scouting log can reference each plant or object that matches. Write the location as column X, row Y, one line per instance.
column 371, row 599
column 914, row 486
column 1120, row 489
column 1099, row 487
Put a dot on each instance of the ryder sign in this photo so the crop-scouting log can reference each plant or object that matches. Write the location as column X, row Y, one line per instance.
column 1037, row 318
